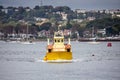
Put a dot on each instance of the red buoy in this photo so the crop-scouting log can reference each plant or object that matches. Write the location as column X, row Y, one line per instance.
column 109, row 44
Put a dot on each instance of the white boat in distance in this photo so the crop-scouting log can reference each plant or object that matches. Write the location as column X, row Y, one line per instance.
column 27, row 42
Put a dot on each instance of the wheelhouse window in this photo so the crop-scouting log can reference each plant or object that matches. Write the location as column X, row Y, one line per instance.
column 58, row 40
column 61, row 40
column 55, row 40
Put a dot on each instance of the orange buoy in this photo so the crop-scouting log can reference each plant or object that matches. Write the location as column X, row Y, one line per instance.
column 109, row 44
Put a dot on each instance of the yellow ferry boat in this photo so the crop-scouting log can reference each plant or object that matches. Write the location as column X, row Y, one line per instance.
column 58, row 50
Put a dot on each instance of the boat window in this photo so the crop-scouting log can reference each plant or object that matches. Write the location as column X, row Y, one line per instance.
column 55, row 40
column 62, row 40
column 58, row 40
column 58, row 35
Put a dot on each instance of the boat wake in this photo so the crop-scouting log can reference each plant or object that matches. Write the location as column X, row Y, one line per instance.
column 39, row 60
column 27, row 43
column 54, row 61
column 60, row 61
column 93, row 42
column 74, row 60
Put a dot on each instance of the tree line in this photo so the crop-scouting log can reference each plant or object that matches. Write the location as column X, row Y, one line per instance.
column 11, row 19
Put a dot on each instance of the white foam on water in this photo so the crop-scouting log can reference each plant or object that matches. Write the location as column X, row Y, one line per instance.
column 93, row 42
column 60, row 61
column 27, row 43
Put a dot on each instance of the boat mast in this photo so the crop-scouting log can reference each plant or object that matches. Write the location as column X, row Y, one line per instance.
column 48, row 41
column 68, row 40
column 41, row 3
column 26, row 31
column 93, row 32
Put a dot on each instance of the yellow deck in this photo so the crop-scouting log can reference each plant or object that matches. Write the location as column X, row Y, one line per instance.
column 58, row 56
column 58, row 50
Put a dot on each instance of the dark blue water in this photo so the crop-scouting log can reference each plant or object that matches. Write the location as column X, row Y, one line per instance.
column 91, row 61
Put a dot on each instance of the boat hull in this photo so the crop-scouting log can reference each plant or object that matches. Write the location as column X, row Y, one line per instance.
column 58, row 55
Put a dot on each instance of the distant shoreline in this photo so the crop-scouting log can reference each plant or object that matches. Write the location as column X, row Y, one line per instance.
column 80, row 40
column 99, row 40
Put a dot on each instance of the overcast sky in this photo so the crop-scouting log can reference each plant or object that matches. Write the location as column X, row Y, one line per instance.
column 73, row 4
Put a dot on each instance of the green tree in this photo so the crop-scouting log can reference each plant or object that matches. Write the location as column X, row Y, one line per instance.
column 45, row 26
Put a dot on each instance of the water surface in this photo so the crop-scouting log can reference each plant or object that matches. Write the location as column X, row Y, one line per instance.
column 90, row 62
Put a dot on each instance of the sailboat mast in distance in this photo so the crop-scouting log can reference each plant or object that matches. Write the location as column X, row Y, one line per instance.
column 41, row 3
